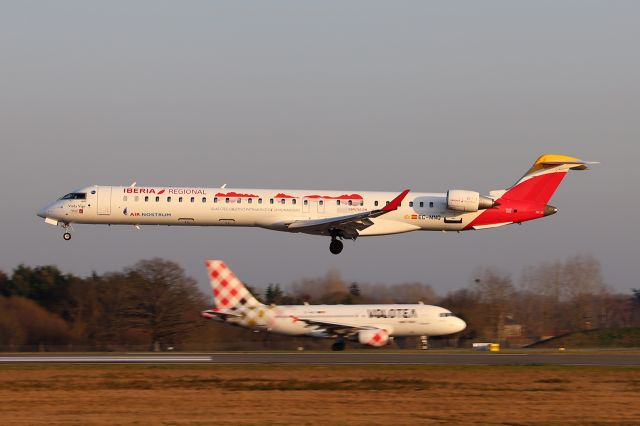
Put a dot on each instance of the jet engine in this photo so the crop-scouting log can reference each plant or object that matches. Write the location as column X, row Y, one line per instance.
column 467, row 201
column 376, row 337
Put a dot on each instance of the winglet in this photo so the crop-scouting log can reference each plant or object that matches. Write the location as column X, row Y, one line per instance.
column 395, row 203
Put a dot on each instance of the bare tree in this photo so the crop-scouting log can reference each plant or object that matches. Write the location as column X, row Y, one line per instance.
column 163, row 301
column 495, row 292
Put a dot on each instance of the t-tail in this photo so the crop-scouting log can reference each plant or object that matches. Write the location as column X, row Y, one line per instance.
column 528, row 199
column 543, row 178
column 228, row 290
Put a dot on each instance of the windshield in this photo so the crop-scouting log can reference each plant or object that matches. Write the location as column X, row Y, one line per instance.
column 75, row 196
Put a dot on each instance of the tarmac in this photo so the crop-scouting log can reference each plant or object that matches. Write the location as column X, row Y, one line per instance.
column 340, row 358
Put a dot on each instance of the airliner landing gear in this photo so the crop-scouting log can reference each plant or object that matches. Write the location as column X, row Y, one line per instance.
column 67, row 234
column 336, row 246
column 424, row 342
column 338, row 345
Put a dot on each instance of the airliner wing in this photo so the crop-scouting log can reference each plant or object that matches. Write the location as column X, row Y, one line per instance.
column 349, row 225
column 333, row 327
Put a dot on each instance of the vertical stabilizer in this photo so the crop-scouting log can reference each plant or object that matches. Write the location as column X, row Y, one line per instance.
column 543, row 178
column 228, row 290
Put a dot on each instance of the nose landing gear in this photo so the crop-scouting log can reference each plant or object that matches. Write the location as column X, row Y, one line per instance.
column 67, row 234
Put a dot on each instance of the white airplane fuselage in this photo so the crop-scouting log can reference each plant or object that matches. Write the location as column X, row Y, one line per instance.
column 266, row 208
column 396, row 319
column 339, row 214
column 372, row 325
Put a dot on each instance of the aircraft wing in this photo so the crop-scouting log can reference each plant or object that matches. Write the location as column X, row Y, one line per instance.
column 214, row 313
column 333, row 327
column 349, row 225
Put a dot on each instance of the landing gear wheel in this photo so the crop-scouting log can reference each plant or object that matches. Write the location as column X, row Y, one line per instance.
column 66, row 236
column 336, row 246
column 338, row 346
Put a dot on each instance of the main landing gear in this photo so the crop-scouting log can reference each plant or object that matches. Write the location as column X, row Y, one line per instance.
column 336, row 246
column 338, row 345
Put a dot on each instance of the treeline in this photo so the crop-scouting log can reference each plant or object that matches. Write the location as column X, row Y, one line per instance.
column 154, row 305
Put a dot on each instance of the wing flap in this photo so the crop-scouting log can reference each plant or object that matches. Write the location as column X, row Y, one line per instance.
column 348, row 224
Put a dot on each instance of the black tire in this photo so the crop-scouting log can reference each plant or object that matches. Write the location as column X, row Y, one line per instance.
column 336, row 246
column 338, row 346
column 66, row 236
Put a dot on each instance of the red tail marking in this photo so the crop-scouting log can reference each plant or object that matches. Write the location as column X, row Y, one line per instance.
column 537, row 189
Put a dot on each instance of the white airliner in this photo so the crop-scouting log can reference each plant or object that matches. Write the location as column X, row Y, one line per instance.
column 338, row 214
column 372, row 325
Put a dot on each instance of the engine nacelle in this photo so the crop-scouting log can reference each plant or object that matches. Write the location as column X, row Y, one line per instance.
column 467, row 201
column 377, row 337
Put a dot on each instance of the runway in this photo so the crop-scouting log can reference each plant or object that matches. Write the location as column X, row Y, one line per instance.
column 330, row 358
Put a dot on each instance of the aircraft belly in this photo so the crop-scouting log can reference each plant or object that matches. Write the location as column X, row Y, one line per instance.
column 388, row 226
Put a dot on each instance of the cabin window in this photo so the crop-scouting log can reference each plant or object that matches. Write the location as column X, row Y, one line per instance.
column 250, row 200
column 259, row 200
column 283, row 201
column 431, row 204
column 168, row 199
column 180, row 199
column 337, row 202
column 410, row 203
column 321, row 202
column 305, row 202
column 157, row 199
column 350, row 202
column 146, row 198
column 193, row 199
column 421, row 203
column 293, row 201
column 239, row 200
column 362, row 202
column 226, row 200
column 124, row 198
column 93, row 192
column 375, row 203
column 270, row 200
column 204, row 199
column 215, row 199
column 387, row 203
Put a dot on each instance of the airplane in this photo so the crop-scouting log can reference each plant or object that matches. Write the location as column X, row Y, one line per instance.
column 337, row 214
column 372, row 325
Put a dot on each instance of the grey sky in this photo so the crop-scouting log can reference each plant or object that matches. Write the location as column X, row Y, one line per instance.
column 341, row 95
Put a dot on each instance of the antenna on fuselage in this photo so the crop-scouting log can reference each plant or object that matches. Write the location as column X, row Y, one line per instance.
column 133, row 184
column 223, row 186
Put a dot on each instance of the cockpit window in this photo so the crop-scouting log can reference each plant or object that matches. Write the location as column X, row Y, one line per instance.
column 446, row 314
column 75, row 196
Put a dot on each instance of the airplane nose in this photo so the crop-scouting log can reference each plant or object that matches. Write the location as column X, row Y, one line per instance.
column 459, row 325
column 42, row 213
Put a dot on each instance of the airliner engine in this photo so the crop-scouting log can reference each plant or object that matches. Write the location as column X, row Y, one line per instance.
column 467, row 201
column 376, row 337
